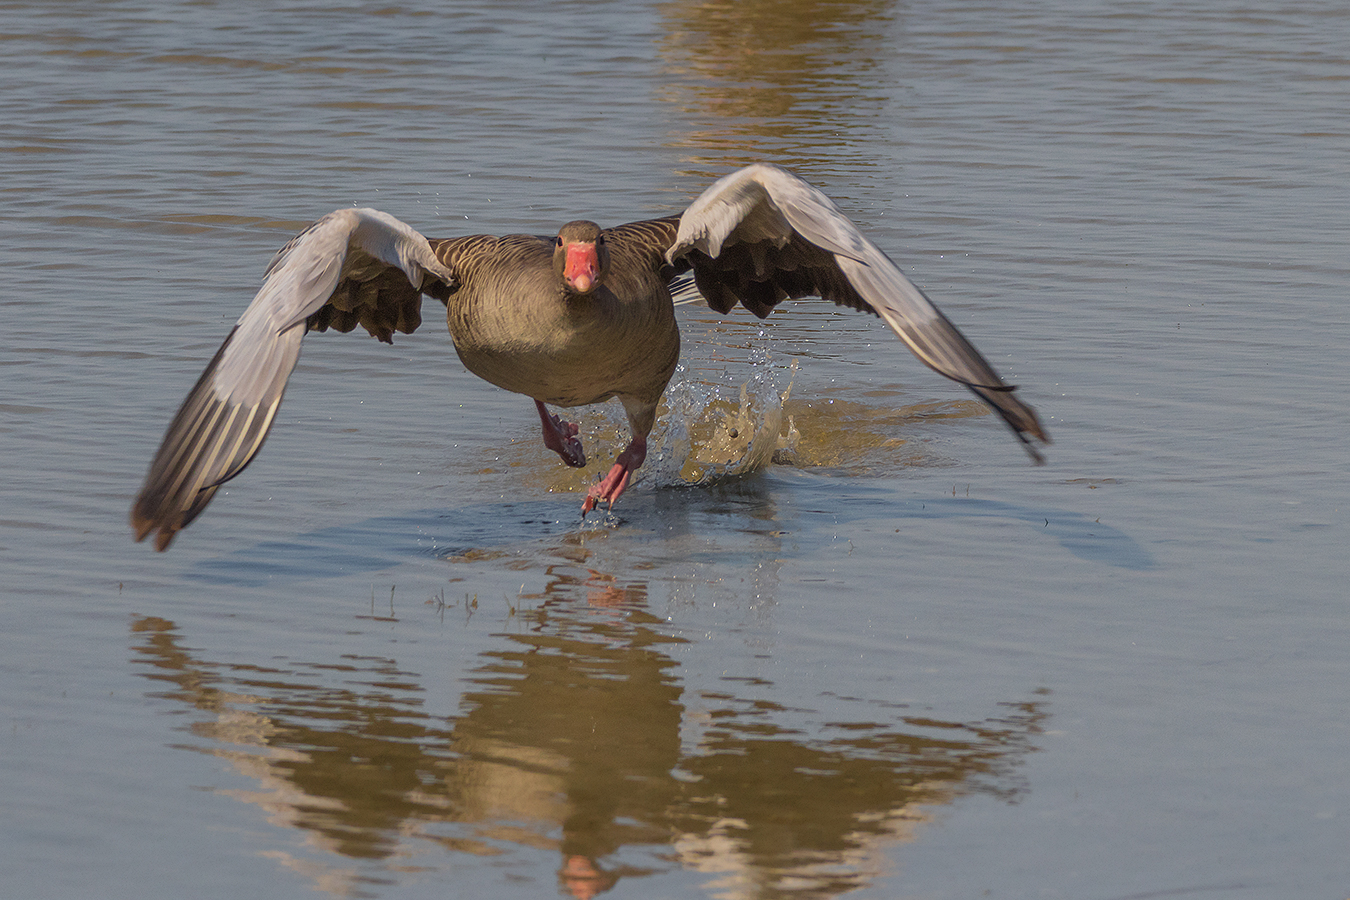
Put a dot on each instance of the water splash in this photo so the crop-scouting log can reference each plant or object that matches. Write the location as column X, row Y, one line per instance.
column 706, row 433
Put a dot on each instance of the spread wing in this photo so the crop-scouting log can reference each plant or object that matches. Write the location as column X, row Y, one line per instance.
column 762, row 235
column 353, row 266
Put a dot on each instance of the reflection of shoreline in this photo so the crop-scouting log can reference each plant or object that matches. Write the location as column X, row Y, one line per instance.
column 573, row 739
column 780, row 80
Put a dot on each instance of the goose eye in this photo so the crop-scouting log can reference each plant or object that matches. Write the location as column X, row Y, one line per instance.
column 557, row 241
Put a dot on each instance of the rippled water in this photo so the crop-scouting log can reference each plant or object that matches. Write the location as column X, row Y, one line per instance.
column 842, row 636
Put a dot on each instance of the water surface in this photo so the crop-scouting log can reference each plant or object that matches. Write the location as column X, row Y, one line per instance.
column 861, row 646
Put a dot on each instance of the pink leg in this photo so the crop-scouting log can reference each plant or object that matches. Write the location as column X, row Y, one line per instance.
column 613, row 484
column 561, row 438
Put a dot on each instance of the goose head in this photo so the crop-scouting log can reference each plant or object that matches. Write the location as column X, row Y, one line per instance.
column 580, row 257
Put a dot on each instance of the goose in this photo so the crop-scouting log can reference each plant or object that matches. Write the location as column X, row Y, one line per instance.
column 567, row 320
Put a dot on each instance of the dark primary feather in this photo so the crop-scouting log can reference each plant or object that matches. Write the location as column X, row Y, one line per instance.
column 759, row 276
column 382, row 305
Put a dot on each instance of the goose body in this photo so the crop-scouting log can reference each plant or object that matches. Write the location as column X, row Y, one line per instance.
column 514, row 326
column 568, row 320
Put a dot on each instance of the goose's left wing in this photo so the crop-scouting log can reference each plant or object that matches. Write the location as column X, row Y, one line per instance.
column 762, row 235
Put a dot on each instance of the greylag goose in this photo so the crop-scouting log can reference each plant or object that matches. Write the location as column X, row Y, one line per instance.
column 568, row 320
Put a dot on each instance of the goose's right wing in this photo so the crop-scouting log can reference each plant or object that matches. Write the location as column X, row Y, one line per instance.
column 353, row 266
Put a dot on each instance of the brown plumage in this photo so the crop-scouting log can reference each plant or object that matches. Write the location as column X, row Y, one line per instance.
column 569, row 321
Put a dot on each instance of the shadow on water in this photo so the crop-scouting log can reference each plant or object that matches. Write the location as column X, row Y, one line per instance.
column 665, row 518
column 375, row 544
column 1085, row 538
column 575, row 737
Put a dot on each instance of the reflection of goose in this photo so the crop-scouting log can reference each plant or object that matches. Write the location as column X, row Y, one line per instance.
column 570, row 320
column 582, row 737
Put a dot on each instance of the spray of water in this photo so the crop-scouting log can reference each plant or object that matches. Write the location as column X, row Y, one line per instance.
column 712, row 427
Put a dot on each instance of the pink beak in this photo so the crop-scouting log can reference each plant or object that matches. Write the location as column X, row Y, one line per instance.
column 582, row 266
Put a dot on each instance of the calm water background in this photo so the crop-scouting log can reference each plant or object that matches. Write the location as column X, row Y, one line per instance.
column 391, row 662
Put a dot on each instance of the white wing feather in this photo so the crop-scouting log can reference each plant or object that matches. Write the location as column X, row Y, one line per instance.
column 763, row 202
column 225, row 419
column 299, row 281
